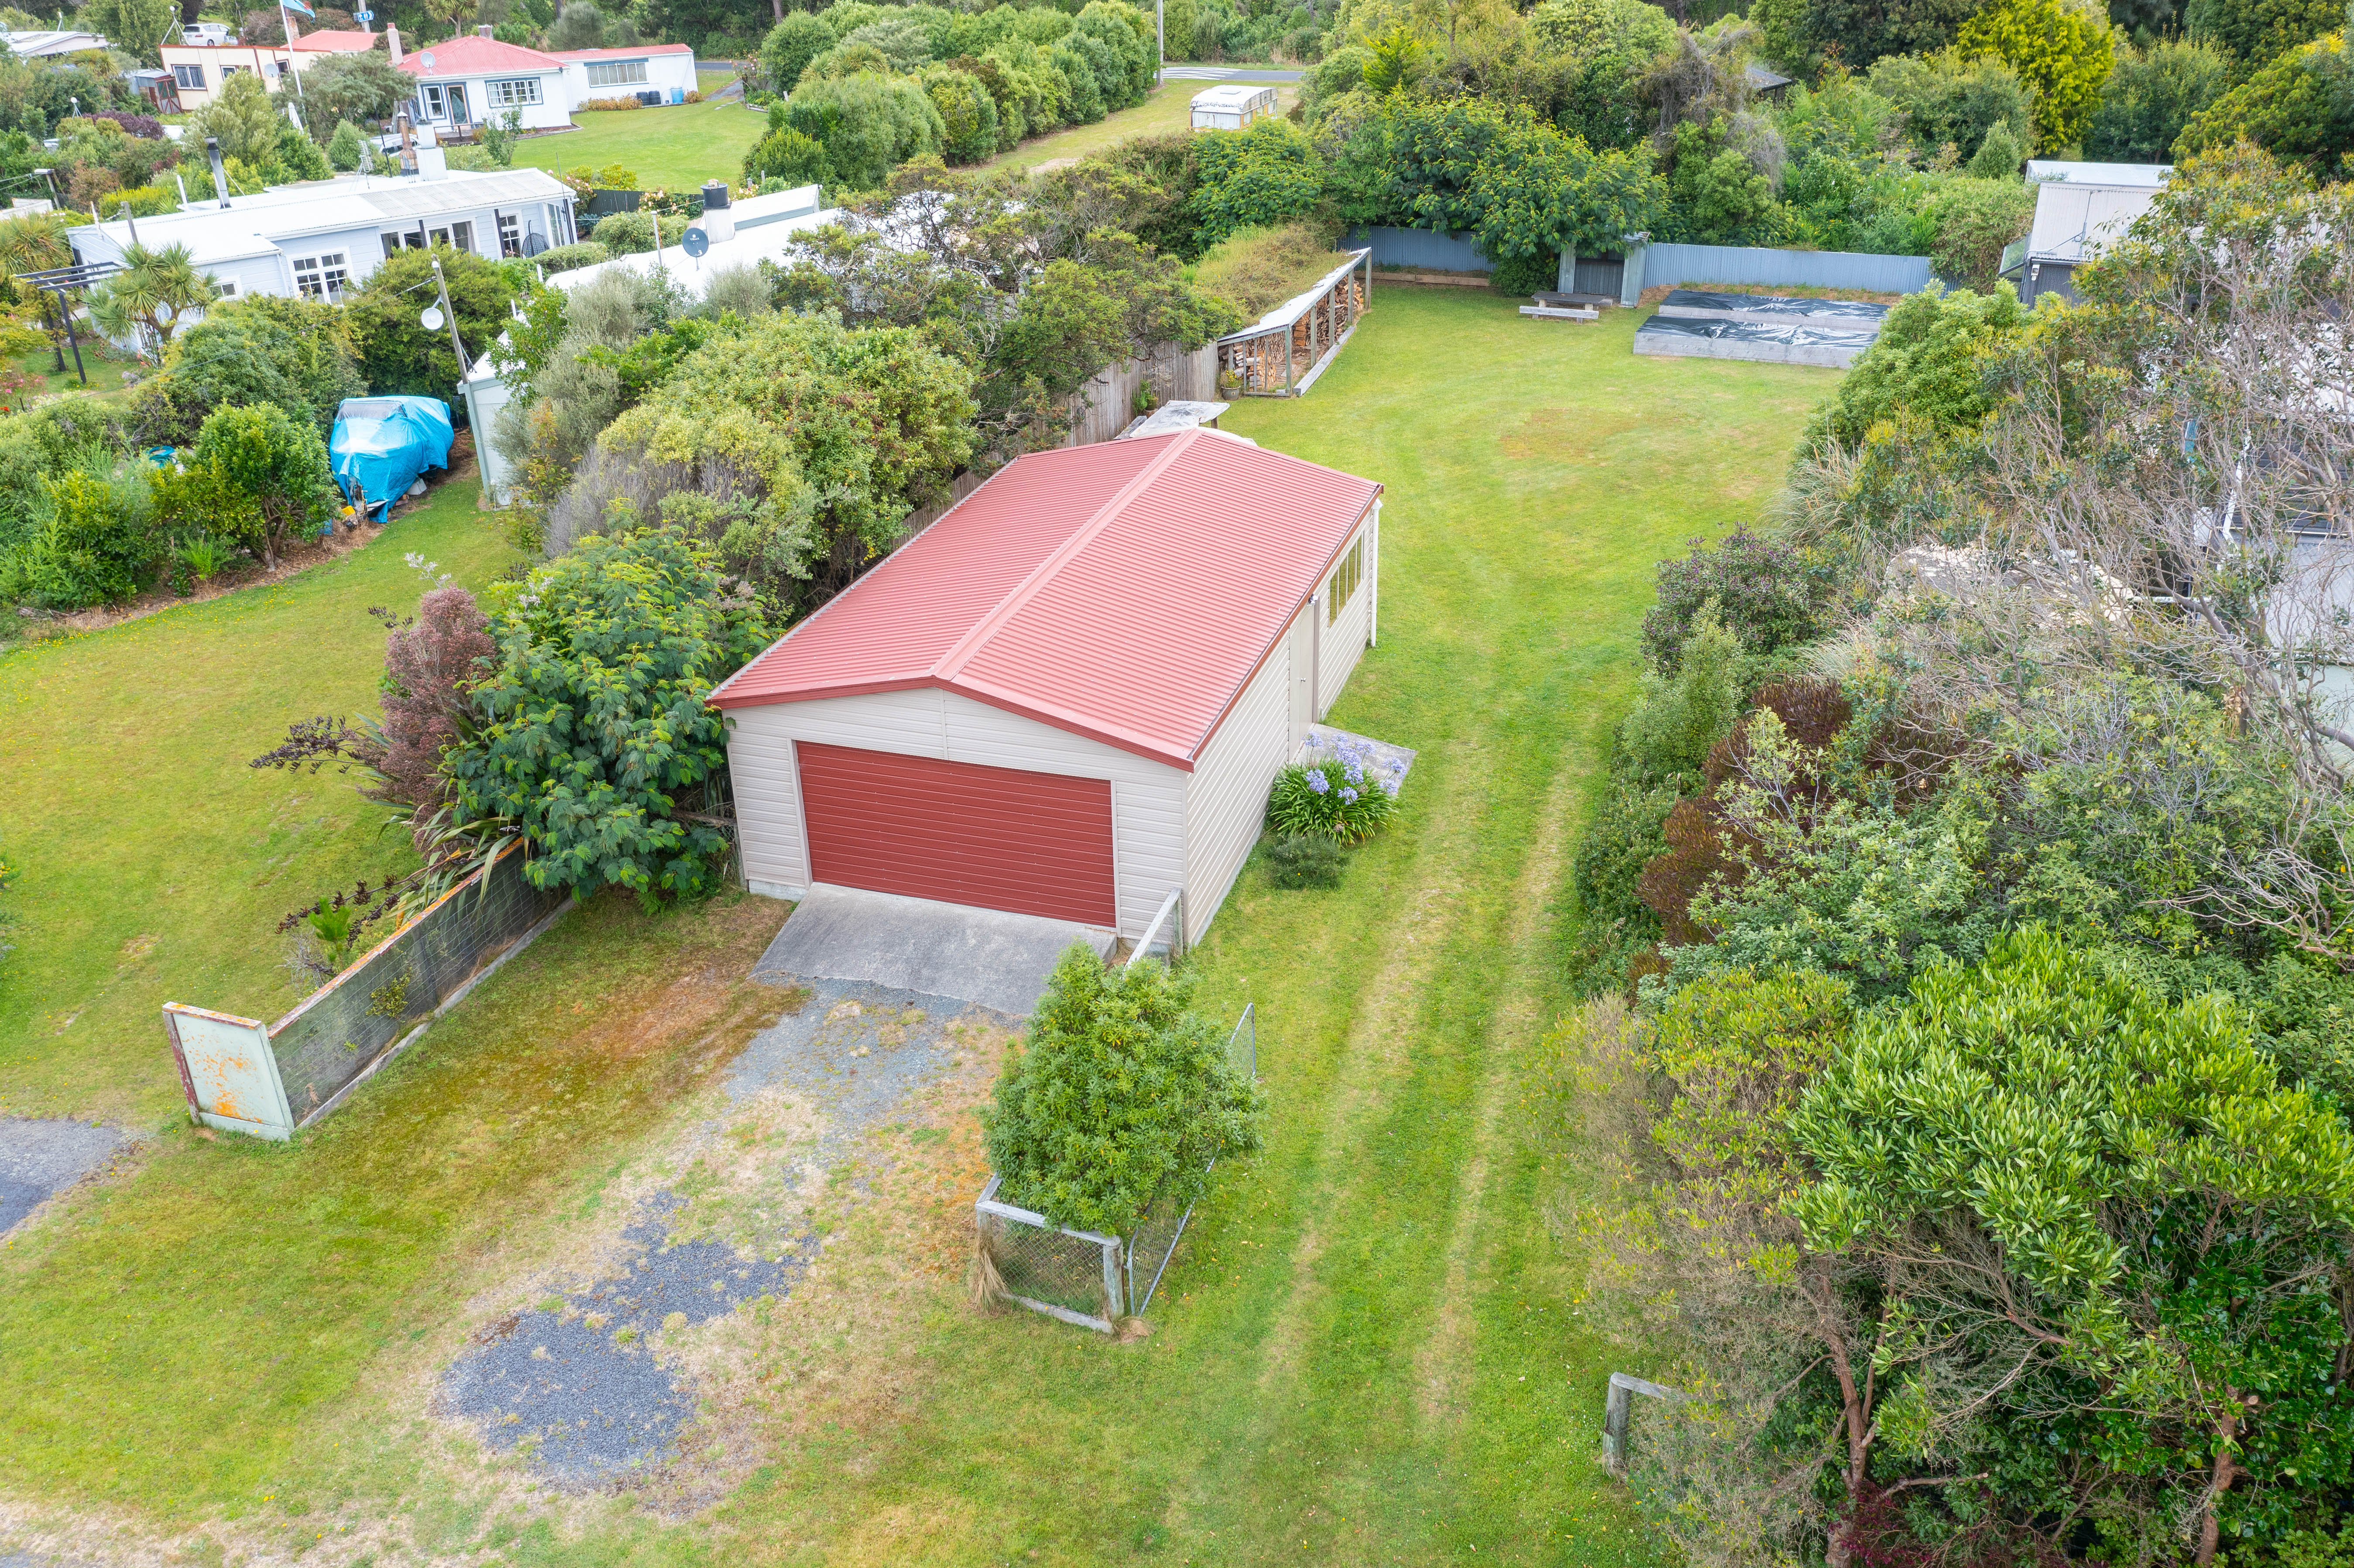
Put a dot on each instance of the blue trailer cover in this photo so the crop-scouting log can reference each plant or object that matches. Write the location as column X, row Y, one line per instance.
column 380, row 445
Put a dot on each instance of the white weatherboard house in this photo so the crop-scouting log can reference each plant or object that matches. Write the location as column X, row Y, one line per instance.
column 325, row 237
column 1069, row 697
column 666, row 70
column 468, row 80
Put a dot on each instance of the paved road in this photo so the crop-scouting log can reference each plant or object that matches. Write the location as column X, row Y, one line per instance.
column 1226, row 73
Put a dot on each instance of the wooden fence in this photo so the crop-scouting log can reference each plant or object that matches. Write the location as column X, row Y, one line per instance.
column 1103, row 407
column 1106, row 403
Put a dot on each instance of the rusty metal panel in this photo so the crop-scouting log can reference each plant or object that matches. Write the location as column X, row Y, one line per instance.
column 229, row 1071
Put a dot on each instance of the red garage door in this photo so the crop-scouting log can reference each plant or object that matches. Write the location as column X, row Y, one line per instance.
column 1036, row 844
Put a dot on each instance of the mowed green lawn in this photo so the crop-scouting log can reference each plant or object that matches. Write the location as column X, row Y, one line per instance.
column 676, row 147
column 1369, row 1349
column 155, row 864
column 679, row 148
column 1168, row 108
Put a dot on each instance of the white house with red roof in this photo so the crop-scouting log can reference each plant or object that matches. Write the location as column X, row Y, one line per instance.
column 1070, row 695
column 472, row 77
column 666, row 70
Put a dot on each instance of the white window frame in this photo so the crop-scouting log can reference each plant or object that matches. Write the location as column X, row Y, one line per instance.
column 510, row 234
column 617, row 73
column 516, row 92
column 191, row 77
column 322, row 277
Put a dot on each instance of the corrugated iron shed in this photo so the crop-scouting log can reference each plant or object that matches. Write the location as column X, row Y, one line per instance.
column 1126, row 592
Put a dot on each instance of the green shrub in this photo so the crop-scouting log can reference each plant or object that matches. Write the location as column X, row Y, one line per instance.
column 1119, row 1095
column 1304, row 860
column 396, row 352
column 2061, row 54
column 790, row 46
column 1926, row 367
column 1947, row 97
column 345, row 147
column 790, row 157
column 2298, row 108
column 1253, row 179
column 1768, row 594
column 98, row 543
column 570, row 257
column 2255, row 31
column 294, row 353
column 868, row 124
column 632, row 233
column 274, row 465
column 1519, row 275
column 1667, row 735
column 1625, row 835
column 967, row 118
column 2151, row 97
column 633, row 630
column 1346, row 796
column 1971, row 220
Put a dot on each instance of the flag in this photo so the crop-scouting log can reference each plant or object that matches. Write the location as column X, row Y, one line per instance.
column 298, row 6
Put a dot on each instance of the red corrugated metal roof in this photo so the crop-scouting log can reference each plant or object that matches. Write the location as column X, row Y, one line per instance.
column 1126, row 591
column 471, row 54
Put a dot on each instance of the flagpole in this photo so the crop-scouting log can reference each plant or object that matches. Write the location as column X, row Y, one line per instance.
column 286, row 25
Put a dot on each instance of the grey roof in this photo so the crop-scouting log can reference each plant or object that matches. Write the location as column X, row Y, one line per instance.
column 423, row 198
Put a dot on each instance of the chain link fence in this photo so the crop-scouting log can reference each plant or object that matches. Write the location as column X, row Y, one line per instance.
column 1084, row 1277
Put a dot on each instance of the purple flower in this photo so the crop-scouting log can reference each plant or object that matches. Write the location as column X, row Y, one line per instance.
column 1350, row 796
column 1316, row 781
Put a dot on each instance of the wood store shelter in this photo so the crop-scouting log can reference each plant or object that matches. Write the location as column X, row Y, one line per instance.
column 1068, row 696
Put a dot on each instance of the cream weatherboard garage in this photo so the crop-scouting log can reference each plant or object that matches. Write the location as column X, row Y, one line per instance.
column 1068, row 696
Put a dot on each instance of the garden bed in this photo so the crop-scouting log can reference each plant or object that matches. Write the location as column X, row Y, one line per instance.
column 292, row 561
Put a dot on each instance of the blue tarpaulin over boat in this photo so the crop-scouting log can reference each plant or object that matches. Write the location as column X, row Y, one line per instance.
column 380, row 445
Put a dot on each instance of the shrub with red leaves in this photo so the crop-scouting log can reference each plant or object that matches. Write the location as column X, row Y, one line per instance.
column 429, row 665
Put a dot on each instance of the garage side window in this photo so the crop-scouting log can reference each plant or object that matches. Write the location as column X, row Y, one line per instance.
column 1345, row 579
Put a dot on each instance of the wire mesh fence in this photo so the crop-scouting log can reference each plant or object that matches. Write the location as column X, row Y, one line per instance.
column 1084, row 1277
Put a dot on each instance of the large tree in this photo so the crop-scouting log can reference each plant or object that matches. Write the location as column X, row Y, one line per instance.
column 798, row 447
column 592, row 734
column 398, row 353
column 362, row 88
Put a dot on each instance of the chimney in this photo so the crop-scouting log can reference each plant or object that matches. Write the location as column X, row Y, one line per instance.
column 220, row 175
column 484, row 32
column 392, row 41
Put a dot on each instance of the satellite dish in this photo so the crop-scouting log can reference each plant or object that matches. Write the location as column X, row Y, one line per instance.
column 695, row 242
column 426, row 59
column 535, row 243
column 431, row 319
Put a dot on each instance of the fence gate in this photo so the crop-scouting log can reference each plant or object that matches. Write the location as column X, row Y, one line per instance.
column 229, row 1071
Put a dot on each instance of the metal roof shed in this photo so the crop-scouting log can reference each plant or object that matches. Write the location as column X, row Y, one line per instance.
column 1069, row 695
